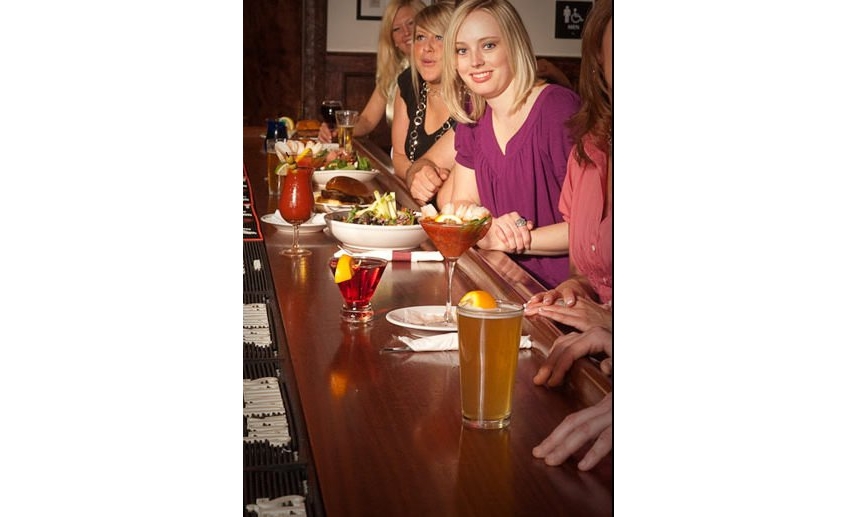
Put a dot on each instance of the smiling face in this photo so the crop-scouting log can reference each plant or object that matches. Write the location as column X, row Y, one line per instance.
column 428, row 54
column 402, row 28
column 482, row 55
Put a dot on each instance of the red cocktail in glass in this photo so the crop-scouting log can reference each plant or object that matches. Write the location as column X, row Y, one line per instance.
column 296, row 203
column 357, row 291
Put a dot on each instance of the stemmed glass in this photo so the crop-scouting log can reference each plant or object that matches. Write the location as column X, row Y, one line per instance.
column 452, row 239
column 296, row 203
column 328, row 111
column 357, row 278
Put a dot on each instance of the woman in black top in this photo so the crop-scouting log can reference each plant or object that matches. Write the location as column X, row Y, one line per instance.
column 421, row 117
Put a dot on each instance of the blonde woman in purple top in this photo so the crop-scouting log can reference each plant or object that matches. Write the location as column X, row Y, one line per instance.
column 511, row 140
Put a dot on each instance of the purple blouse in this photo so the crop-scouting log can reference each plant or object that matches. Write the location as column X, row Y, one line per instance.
column 528, row 178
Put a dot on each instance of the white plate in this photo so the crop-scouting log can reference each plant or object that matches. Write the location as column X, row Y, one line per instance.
column 316, row 224
column 423, row 317
column 328, row 208
column 321, row 177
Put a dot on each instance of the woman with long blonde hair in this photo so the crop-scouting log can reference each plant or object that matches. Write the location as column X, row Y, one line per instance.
column 511, row 141
column 393, row 56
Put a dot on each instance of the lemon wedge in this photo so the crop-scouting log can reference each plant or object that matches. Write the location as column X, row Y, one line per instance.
column 282, row 168
column 289, row 124
column 442, row 218
column 306, row 151
column 343, row 269
column 478, row 299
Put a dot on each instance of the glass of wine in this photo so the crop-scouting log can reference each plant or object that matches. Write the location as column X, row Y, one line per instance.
column 296, row 203
column 328, row 110
column 453, row 235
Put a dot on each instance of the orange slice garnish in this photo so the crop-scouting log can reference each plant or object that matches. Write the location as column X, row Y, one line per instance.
column 343, row 269
column 478, row 299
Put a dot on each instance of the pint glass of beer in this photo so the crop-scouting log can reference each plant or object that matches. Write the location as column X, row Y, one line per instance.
column 345, row 122
column 488, row 346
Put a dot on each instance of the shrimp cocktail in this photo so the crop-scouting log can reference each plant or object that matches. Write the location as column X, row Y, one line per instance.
column 453, row 231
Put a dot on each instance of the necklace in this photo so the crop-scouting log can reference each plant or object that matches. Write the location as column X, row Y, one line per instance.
column 419, row 119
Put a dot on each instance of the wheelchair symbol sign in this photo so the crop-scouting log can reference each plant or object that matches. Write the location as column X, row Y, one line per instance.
column 570, row 17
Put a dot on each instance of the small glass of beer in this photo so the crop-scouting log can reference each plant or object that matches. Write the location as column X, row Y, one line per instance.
column 345, row 122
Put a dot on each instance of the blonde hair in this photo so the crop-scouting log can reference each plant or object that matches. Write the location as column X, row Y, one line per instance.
column 434, row 19
column 390, row 60
column 464, row 105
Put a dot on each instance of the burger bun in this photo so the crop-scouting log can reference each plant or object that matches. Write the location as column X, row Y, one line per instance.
column 307, row 128
column 343, row 190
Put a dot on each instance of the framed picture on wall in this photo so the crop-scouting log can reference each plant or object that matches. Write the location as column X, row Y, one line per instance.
column 370, row 9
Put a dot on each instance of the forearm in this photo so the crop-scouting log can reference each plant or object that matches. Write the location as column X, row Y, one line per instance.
column 549, row 240
column 371, row 114
column 401, row 165
column 364, row 126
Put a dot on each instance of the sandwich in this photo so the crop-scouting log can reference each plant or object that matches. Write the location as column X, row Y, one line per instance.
column 342, row 190
column 307, row 128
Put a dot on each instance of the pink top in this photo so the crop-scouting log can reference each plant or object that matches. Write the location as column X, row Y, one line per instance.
column 589, row 224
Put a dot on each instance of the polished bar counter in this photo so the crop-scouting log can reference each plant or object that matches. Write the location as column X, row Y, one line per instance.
column 380, row 433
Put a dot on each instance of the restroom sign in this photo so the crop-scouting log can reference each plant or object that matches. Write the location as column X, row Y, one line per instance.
column 570, row 17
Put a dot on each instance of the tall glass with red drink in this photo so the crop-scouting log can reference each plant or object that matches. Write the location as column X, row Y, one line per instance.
column 296, row 203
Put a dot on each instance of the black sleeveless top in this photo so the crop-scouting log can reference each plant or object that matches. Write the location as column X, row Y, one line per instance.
column 417, row 142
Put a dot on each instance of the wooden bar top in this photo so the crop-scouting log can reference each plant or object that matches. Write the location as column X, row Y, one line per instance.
column 385, row 428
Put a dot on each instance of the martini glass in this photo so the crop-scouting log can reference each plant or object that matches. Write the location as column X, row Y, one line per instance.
column 357, row 291
column 452, row 240
column 296, row 203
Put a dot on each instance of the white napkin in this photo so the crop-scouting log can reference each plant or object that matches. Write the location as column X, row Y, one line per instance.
column 316, row 218
column 398, row 256
column 447, row 341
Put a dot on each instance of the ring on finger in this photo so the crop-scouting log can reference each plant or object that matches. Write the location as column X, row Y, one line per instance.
column 520, row 222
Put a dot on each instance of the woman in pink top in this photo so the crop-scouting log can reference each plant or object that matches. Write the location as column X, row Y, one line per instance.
column 584, row 301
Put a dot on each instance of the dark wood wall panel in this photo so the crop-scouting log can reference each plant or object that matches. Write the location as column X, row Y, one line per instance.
column 570, row 66
column 314, row 28
column 357, row 89
column 351, row 79
column 272, row 60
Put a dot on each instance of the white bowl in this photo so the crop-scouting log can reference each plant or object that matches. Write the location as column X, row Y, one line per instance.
column 374, row 237
column 321, row 177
